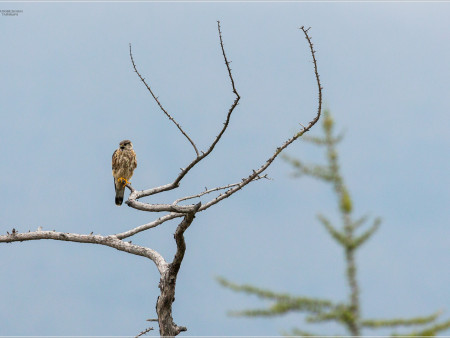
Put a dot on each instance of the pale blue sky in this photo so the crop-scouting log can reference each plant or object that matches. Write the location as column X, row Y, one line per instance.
column 69, row 95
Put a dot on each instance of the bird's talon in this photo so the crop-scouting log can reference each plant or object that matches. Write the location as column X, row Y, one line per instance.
column 123, row 180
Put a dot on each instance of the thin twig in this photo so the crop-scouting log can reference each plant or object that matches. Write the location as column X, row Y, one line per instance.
column 236, row 101
column 225, row 124
column 207, row 191
column 316, row 72
column 144, row 332
column 160, row 105
column 226, row 60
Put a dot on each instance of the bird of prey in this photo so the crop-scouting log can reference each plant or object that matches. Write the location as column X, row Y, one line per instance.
column 123, row 165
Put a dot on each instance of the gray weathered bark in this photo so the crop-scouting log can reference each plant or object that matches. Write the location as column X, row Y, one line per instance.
column 168, row 281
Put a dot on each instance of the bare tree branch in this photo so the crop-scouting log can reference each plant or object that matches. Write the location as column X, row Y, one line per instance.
column 160, row 105
column 147, row 226
column 172, row 215
column 159, row 207
column 179, row 239
column 111, row 241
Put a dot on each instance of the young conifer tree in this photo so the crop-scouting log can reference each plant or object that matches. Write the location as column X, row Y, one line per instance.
column 346, row 313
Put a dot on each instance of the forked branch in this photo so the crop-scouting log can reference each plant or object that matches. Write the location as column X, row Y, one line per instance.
column 257, row 173
column 168, row 281
column 138, row 194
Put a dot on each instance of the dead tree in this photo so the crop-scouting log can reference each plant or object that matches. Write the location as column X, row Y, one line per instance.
column 186, row 212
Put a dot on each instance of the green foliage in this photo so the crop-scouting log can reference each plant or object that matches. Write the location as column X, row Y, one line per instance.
column 336, row 234
column 367, row 234
column 320, row 141
column 345, row 202
column 299, row 333
column 320, row 310
column 327, row 123
column 429, row 331
column 341, row 313
column 377, row 323
column 283, row 302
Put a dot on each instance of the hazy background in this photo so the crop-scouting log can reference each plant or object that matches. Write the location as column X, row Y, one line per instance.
column 69, row 96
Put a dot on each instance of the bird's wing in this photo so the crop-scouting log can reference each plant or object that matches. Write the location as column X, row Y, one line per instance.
column 134, row 161
column 115, row 160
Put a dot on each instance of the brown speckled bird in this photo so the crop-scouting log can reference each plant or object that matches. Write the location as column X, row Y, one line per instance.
column 123, row 165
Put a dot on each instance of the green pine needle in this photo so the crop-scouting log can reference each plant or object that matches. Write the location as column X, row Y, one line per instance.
column 375, row 323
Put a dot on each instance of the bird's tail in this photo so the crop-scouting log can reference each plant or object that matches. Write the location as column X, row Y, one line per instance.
column 120, row 190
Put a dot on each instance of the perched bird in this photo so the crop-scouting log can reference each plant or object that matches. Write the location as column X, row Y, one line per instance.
column 123, row 165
